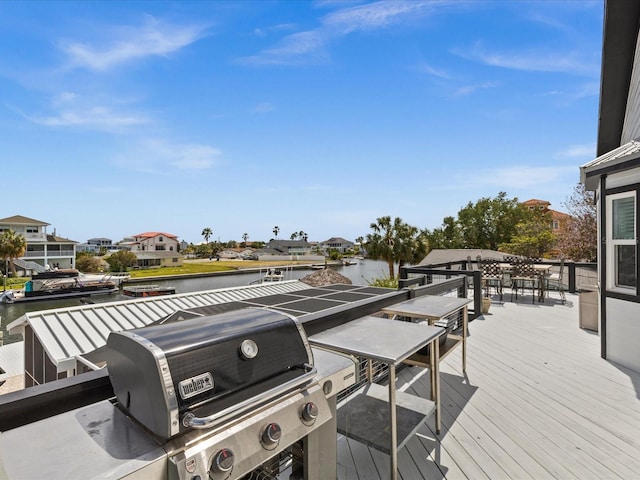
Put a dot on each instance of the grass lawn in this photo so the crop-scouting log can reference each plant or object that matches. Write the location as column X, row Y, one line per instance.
column 207, row 266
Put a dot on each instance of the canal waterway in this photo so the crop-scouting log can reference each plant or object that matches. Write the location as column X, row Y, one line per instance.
column 361, row 273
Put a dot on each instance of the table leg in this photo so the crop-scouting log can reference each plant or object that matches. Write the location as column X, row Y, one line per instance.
column 432, row 380
column 434, row 360
column 393, row 451
column 465, row 328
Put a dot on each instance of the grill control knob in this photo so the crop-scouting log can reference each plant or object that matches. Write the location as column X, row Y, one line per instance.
column 222, row 460
column 309, row 413
column 271, row 436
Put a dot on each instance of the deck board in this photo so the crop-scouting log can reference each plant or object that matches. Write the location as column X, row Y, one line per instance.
column 537, row 402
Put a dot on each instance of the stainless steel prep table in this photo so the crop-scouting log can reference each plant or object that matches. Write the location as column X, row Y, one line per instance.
column 433, row 308
column 376, row 338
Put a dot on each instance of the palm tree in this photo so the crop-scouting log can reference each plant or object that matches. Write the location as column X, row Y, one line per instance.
column 380, row 242
column 396, row 242
column 12, row 246
column 294, row 235
column 245, row 236
column 303, row 235
column 276, row 230
column 206, row 233
column 360, row 241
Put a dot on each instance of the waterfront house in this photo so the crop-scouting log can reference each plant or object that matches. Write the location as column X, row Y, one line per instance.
column 287, row 247
column 337, row 243
column 155, row 249
column 159, row 259
column 43, row 249
column 614, row 176
column 558, row 219
column 96, row 245
column 154, row 242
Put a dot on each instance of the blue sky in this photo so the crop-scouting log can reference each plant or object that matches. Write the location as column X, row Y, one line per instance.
column 118, row 118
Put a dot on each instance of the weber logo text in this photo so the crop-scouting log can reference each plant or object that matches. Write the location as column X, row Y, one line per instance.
column 195, row 385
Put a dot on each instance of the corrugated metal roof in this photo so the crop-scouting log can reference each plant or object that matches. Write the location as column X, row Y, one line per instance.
column 68, row 332
column 629, row 149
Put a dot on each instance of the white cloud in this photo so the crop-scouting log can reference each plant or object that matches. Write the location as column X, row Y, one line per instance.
column 129, row 44
column 539, row 60
column 264, row 31
column 376, row 15
column 65, row 97
column 309, row 45
column 579, row 151
column 468, row 89
column 99, row 118
column 435, row 72
column 162, row 157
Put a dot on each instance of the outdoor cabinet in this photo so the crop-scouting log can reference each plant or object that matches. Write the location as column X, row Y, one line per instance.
column 588, row 308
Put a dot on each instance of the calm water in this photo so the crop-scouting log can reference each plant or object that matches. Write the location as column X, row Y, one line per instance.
column 359, row 274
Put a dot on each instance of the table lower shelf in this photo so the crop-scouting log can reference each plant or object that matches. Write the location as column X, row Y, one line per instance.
column 366, row 416
column 422, row 360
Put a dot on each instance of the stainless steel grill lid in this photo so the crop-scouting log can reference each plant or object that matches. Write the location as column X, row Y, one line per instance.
column 212, row 366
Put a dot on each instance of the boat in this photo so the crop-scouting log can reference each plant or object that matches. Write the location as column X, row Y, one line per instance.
column 54, row 284
column 273, row 275
column 117, row 278
column 346, row 262
column 147, row 290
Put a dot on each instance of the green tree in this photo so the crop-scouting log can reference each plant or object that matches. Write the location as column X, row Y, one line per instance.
column 88, row 263
column 446, row 236
column 121, row 261
column 490, row 222
column 12, row 246
column 395, row 242
column 533, row 236
column 579, row 240
column 245, row 237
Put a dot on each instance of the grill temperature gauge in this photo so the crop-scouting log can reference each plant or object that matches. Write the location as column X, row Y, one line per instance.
column 248, row 349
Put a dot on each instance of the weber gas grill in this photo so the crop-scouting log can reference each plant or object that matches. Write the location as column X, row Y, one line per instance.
column 235, row 395
column 193, row 374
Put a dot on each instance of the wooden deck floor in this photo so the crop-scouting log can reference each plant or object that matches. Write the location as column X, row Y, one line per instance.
column 537, row 402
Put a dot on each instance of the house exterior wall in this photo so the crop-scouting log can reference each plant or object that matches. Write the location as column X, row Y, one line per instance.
column 622, row 328
column 623, row 331
column 160, row 243
column 38, row 367
column 631, row 127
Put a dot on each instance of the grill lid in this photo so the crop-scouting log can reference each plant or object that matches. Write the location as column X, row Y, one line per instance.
column 212, row 366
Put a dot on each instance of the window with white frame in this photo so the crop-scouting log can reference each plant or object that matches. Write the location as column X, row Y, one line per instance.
column 621, row 244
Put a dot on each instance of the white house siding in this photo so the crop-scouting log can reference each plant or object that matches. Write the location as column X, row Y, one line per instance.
column 623, row 179
column 631, row 128
column 623, row 331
